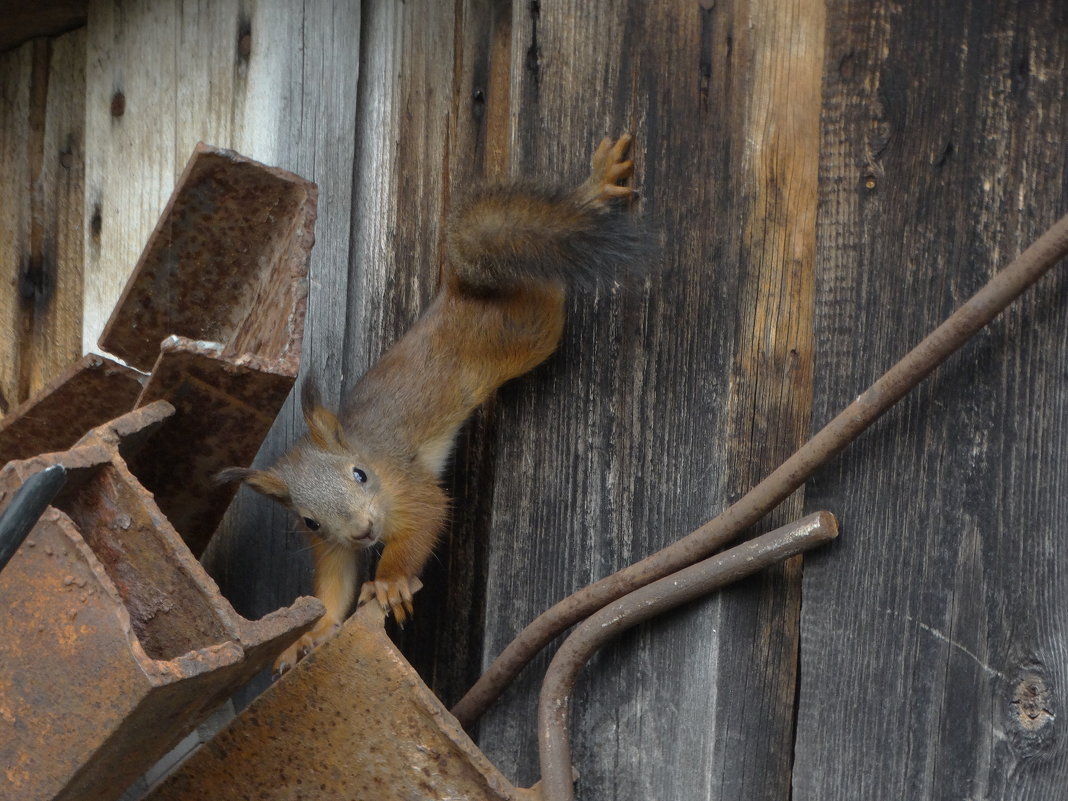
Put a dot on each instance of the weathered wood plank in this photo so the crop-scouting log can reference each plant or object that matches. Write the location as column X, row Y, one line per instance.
column 131, row 83
column 298, row 108
column 934, row 632
column 278, row 84
column 15, row 71
column 423, row 65
column 667, row 398
column 41, row 168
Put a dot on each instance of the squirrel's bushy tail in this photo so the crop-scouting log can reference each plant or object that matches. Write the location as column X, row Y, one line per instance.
column 510, row 235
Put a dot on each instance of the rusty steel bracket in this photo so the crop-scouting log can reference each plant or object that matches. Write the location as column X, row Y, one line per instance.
column 214, row 314
column 114, row 643
column 352, row 720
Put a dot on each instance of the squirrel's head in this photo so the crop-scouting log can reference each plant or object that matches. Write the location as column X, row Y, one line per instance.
column 336, row 494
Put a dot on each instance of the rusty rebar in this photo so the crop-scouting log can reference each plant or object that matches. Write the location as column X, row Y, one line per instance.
column 975, row 313
column 641, row 605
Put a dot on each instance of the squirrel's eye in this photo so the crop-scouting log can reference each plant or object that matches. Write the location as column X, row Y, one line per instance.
column 311, row 524
column 359, row 475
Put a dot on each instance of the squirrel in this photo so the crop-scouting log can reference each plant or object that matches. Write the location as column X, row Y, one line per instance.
column 372, row 472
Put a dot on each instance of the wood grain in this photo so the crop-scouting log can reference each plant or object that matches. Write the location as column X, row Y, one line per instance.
column 400, row 186
column 131, row 80
column 667, row 397
column 298, row 110
column 279, row 86
column 932, row 634
column 934, row 631
column 41, row 168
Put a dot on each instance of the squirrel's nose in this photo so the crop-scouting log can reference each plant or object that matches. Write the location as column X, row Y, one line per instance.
column 367, row 536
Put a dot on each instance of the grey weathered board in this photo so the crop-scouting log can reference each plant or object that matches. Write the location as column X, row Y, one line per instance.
column 934, row 655
column 929, row 657
column 42, row 128
column 669, row 395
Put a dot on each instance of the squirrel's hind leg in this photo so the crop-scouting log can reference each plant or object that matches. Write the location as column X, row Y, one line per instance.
column 607, row 169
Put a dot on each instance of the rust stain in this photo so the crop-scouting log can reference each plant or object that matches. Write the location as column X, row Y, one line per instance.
column 352, row 720
column 88, row 393
column 225, row 264
column 115, row 643
column 215, row 310
column 240, row 398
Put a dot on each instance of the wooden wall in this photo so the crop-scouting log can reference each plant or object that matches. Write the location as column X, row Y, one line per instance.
column 825, row 180
column 935, row 632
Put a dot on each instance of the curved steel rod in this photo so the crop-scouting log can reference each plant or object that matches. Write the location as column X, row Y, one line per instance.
column 975, row 313
column 636, row 607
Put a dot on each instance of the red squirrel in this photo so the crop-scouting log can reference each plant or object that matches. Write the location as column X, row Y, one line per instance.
column 372, row 472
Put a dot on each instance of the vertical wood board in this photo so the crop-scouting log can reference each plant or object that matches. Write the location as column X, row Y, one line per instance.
column 41, row 169
column 935, row 630
column 666, row 397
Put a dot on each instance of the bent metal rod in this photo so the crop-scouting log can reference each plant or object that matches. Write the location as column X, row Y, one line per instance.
column 941, row 343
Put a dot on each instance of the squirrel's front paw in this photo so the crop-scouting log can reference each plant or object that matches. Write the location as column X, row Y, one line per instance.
column 393, row 595
column 607, row 169
column 320, row 633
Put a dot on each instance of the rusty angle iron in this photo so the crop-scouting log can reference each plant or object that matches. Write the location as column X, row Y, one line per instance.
column 87, row 394
column 114, row 643
column 214, row 314
column 353, row 720
column 215, row 310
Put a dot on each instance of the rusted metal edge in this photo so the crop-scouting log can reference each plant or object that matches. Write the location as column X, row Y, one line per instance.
column 351, row 720
column 90, row 392
column 639, row 606
column 215, row 310
column 939, row 345
column 224, row 408
column 117, row 642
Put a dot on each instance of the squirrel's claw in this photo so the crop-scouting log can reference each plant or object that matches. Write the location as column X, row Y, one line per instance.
column 320, row 633
column 607, row 169
column 393, row 595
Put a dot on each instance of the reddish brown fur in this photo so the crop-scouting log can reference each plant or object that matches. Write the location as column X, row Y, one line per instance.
column 500, row 313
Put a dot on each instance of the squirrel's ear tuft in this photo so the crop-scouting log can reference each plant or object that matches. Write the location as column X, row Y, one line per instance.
column 309, row 395
column 263, row 481
column 323, row 426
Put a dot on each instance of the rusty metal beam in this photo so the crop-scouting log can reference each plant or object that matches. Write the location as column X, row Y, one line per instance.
column 223, row 410
column 353, row 720
column 90, row 392
column 215, row 311
column 225, row 264
column 115, row 643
